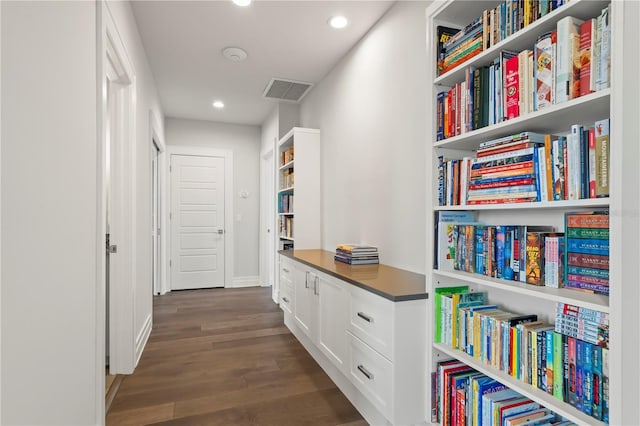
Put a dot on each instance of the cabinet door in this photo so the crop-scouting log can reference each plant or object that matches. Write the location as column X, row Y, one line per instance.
column 304, row 308
column 333, row 302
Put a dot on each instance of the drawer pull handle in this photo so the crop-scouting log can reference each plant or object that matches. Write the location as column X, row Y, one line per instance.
column 285, row 270
column 285, row 300
column 316, row 286
column 365, row 317
column 366, row 373
column 306, row 279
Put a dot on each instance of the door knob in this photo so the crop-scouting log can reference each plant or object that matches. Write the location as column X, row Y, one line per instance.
column 220, row 231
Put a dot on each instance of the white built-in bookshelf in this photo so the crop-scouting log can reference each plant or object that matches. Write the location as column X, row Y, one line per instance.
column 298, row 190
column 620, row 103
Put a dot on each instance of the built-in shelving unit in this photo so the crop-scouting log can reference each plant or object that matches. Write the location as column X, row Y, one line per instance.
column 298, row 191
column 620, row 103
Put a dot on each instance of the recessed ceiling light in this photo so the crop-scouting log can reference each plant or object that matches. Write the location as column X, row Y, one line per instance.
column 338, row 21
column 218, row 104
column 234, row 54
column 242, row 3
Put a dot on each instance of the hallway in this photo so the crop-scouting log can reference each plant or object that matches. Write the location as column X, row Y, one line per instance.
column 224, row 357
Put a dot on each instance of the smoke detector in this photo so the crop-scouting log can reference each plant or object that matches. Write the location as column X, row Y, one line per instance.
column 234, row 54
column 286, row 90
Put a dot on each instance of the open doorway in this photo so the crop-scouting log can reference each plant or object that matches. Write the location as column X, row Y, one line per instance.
column 267, row 229
column 156, row 269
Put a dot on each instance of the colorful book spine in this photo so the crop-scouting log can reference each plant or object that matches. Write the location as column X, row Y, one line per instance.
column 543, row 71
column 567, row 73
column 587, row 50
column 602, row 157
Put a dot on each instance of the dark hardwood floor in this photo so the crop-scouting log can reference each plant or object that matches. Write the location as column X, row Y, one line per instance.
column 224, row 357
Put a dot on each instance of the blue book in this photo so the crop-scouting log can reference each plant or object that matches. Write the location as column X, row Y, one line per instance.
column 500, row 250
column 485, row 387
column 536, row 169
column 589, row 272
column 596, row 368
column 579, row 378
column 472, row 309
column 587, row 379
column 508, row 253
column 440, row 111
column 488, row 401
column 588, row 246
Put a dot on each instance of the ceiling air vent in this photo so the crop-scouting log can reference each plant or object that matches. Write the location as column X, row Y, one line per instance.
column 286, row 90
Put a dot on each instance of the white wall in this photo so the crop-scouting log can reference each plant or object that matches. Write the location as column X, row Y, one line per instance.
column 269, row 131
column 146, row 100
column 49, row 153
column 371, row 111
column 244, row 141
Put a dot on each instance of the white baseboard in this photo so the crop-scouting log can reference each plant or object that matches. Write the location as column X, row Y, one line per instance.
column 238, row 282
column 142, row 338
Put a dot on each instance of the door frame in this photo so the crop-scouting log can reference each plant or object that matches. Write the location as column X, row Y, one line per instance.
column 156, row 139
column 112, row 54
column 267, row 218
column 197, row 151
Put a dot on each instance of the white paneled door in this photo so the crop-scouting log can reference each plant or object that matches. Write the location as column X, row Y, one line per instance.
column 197, row 222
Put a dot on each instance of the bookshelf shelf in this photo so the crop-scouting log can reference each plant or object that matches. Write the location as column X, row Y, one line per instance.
column 288, row 165
column 285, row 214
column 527, row 390
column 554, row 119
column 563, row 295
column 283, row 190
column 564, row 205
column 286, row 238
column 523, row 39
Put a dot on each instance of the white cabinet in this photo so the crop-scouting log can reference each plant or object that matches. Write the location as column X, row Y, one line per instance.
column 376, row 345
column 287, row 291
column 304, row 311
column 372, row 374
column 321, row 312
column 371, row 320
column 332, row 302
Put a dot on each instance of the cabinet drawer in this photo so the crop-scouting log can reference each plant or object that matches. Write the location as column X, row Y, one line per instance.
column 286, row 269
column 371, row 373
column 286, row 299
column 371, row 320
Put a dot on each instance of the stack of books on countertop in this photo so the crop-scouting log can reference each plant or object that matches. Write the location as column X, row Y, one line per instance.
column 355, row 254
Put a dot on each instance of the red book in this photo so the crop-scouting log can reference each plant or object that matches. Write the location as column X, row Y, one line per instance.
column 588, row 260
column 448, row 116
column 587, row 220
column 587, row 47
column 502, row 201
column 505, row 148
column 512, row 84
column 517, row 167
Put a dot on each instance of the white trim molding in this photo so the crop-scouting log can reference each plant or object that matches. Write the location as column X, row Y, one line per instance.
column 239, row 282
column 115, row 66
column 157, row 137
column 143, row 337
column 227, row 154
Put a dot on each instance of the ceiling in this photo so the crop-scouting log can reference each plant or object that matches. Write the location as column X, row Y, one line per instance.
column 284, row 39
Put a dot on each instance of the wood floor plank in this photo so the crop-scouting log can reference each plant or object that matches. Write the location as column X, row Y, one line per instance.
column 224, row 357
column 320, row 408
column 141, row 416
